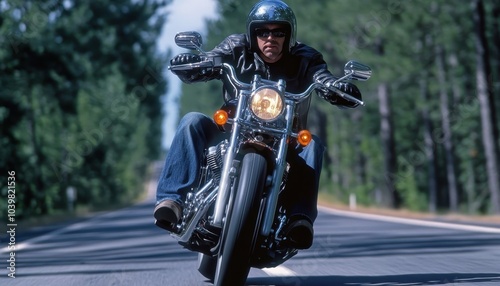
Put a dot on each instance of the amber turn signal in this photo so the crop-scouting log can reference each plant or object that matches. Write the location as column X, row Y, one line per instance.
column 220, row 117
column 304, row 137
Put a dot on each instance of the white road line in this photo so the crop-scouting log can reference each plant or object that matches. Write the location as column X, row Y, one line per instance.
column 445, row 225
column 279, row 271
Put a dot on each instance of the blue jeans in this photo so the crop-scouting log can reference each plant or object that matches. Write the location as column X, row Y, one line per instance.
column 196, row 132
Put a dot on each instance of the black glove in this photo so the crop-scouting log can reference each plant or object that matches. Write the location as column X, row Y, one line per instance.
column 327, row 79
column 194, row 74
column 185, row 58
column 352, row 90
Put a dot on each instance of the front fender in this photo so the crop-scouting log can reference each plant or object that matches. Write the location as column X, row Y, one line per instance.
column 260, row 148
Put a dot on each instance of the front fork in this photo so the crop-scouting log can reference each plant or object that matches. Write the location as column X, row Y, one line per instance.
column 229, row 171
column 279, row 170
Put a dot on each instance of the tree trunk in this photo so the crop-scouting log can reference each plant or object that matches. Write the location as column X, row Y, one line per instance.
column 496, row 41
column 470, row 188
column 486, row 104
column 360, row 160
column 429, row 146
column 388, row 145
column 447, row 139
column 455, row 87
column 387, row 137
column 39, row 203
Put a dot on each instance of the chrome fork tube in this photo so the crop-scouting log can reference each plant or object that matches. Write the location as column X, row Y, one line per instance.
column 272, row 200
column 227, row 172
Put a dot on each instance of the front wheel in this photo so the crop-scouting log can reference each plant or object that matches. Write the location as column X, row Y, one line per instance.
column 206, row 266
column 241, row 229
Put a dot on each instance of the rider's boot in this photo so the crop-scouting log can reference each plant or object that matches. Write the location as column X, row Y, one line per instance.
column 167, row 214
column 299, row 233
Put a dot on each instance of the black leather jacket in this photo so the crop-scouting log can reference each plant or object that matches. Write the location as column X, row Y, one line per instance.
column 299, row 68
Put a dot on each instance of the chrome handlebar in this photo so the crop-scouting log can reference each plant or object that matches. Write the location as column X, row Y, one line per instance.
column 231, row 75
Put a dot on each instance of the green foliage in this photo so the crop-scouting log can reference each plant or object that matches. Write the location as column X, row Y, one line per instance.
column 80, row 100
column 398, row 39
column 406, row 182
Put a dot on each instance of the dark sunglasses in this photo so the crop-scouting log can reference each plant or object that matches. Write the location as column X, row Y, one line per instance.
column 264, row 33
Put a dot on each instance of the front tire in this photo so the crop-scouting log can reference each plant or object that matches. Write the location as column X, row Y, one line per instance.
column 241, row 229
column 207, row 265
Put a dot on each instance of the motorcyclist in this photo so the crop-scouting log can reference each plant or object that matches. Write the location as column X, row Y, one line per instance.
column 269, row 48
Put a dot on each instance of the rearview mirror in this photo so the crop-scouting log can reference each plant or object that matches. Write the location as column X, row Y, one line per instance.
column 357, row 71
column 189, row 40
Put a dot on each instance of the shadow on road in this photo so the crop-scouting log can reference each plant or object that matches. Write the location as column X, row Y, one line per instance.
column 410, row 279
column 126, row 237
column 341, row 240
column 346, row 239
column 127, row 241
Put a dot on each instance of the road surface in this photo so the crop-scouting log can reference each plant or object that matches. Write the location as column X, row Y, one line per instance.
column 125, row 248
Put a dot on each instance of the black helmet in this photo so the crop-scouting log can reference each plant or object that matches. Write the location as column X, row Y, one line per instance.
column 272, row 11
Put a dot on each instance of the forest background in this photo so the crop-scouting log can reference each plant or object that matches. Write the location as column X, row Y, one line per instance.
column 82, row 87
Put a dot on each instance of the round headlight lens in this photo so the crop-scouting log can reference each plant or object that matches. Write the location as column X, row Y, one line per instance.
column 266, row 103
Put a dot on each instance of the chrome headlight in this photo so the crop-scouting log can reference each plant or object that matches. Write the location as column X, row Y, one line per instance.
column 266, row 103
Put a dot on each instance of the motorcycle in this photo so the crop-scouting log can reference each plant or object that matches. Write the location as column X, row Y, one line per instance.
column 233, row 218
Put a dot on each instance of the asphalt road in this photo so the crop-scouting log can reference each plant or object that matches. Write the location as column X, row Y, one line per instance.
column 125, row 248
